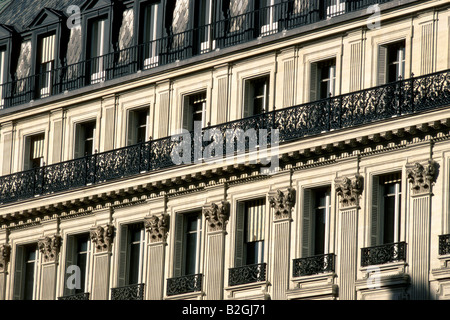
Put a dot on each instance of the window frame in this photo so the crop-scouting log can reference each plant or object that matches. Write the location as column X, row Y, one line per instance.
column 124, row 254
column 20, row 258
column 27, row 162
column 73, row 241
column 249, row 98
column 77, row 143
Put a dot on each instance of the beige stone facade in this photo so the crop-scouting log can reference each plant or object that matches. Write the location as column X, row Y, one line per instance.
column 93, row 225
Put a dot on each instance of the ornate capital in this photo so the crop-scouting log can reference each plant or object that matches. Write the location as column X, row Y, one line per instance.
column 5, row 253
column 217, row 215
column 282, row 203
column 157, row 227
column 49, row 247
column 349, row 190
column 102, row 237
column 422, row 177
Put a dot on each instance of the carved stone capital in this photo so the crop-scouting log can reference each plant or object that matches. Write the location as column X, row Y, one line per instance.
column 102, row 237
column 217, row 215
column 282, row 203
column 422, row 177
column 49, row 247
column 5, row 254
column 157, row 227
column 349, row 190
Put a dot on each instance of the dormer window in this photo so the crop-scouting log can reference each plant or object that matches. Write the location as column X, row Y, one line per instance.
column 150, row 31
column 97, row 49
column 46, row 63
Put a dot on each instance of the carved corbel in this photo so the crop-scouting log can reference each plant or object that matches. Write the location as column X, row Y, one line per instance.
column 282, row 203
column 349, row 190
column 157, row 227
column 217, row 215
column 49, row 247
column 422, row 177
column 102, row 237
column 5, row 254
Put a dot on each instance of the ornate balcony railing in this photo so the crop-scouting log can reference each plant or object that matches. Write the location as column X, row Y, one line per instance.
column 395, row 99
column 313, row 265
column 184, row 284
column 78, row 296
column 392, row 252
column 229, row 31
column 444, row 244
column 247, row 274
column 131, row 292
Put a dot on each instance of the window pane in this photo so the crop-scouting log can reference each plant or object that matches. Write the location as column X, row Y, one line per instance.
column 191, row 253
column 134, row 263
column 389, row 216
column 319, row 231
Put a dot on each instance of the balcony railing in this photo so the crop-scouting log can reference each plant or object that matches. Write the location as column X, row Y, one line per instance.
column 444, row 244
column 313, row 265
column 184, row 284
column 399, row 98
column 74, row 297
column 247, row 274
column 131, row 292
column 387, row 253
column 224, row 33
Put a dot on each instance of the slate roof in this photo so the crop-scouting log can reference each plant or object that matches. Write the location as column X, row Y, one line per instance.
column 20, row 13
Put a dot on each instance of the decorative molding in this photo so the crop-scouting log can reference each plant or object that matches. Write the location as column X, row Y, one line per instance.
column 217, row 215
column 349, row 190
column 49, row 247
column 5, row 254
column 422, row 177
column 282, row 203
column 102, row 237
column 157, row 227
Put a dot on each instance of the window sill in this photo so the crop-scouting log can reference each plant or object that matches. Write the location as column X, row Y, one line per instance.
column 187, row 296
column 248, row 291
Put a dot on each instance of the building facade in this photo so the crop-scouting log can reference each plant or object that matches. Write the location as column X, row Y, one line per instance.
column 214, row 150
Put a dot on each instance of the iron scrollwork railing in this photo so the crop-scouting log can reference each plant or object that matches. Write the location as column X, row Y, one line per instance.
column 314, row 265
column 444, row 244
column 226, row 32
column 247, row 274
column 131, row 292
column 392, row 252
column 395, row 99
column 184, row 284
column 75, row 297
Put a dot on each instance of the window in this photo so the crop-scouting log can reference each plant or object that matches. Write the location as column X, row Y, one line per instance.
column 335, row 8
column 265, row 16
column 78, row 248
column 3, row 75
column 151, row 30
column 97, row 47
column 131, row 254
column 138, row 126
column 34, row 151
column 194, row 110
column 250, row 232
column 256, row 94
column 25, row 272
column 84, row 139
column 316, row 216
column 386, row 206
column 323, row 79
column 187, row 244
column 202, row 22
column 391, row 62
column 46, row 63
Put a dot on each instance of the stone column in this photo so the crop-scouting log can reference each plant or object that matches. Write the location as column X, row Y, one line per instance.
column 349, row 191
column 102, row 239
column 217, row 219
column 157, row 227
column 49, row 248
column 5, row 254
column 282, row 204
column 421, row 178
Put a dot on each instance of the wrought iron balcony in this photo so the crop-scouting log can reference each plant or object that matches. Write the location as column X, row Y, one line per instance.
column 444, row 244
column 313, row 265
column 395, row 99
column 247, row 274
column 230, row 31
column 74, row 297
column 184, row 284
column 131, row 292
column 392, row 252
